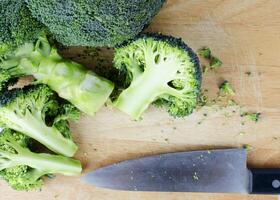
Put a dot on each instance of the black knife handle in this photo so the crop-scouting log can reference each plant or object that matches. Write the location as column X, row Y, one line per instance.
column 265, row 181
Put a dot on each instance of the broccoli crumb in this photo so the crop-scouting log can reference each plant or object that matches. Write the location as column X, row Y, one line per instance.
column 231, row 102
column 215, row 63
column 205, row 52
column 205, row 69
column 247, row 147
column 226, row 88
column 251, row 116
column 241, row 133
column 248, row 73
column 195, row 176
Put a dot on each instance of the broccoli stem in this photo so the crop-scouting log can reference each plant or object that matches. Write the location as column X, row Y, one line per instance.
column 34, row 127
column 83, row 88
column 45, row 163
column 137, row 98
column 146, row 88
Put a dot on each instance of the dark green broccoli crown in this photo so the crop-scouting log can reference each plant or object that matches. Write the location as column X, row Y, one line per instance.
column 95, row 22
column 182, row 88
column 17, row 26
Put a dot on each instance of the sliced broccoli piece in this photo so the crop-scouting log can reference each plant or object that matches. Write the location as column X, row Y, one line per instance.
column 95, row 22
column 159, row 69
column 30, row 111
column 226, row 88
column 24, row 169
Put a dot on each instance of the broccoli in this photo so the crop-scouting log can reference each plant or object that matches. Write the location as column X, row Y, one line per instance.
column 159, row 69
column 252, row 116
column 24, row 169
column 34, row 55
column 94, row 22
column 214, row 62
column 37, row 112
column 205, row 52
column 17, row 26
column 226, row 88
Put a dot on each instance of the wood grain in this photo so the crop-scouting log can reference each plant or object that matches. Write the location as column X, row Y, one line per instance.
column 245, row 35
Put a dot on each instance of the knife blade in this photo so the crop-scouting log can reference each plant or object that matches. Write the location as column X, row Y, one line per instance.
column 217, row 171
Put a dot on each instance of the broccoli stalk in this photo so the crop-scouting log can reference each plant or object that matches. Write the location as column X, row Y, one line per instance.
column 158, row 68
column 28, row 111
column 42, row 162
column 23, row 168
column 87, row 91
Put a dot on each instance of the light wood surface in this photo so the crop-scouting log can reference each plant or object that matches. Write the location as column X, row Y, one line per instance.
column 245, row 34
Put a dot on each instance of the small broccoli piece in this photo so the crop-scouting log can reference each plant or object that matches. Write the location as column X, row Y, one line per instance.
column 159, row 69
column 94, row 23
column 226, row 88
column 30, row 111
column 25, row 49
column 247, row 147
column 205, row 52
column 24, row 169
column 252, row 116
column 215, row 63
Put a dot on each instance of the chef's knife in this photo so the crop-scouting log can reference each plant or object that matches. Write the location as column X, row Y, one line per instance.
column 217, row 171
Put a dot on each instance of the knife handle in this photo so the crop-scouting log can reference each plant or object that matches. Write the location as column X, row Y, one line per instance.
column 265, row 181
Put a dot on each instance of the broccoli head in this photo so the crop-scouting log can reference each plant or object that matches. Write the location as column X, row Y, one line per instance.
column 159, row 69
column 24, row 169
column 94, row 22
column 37, row 112
column 17, row 26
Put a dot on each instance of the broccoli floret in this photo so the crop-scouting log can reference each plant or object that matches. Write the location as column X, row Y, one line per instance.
column 32, row 111
column 159, row 69
column 226, row 88
column 24, row 169
column 95, row 22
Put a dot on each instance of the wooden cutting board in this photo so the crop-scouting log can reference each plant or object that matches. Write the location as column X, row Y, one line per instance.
column 245, row 34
